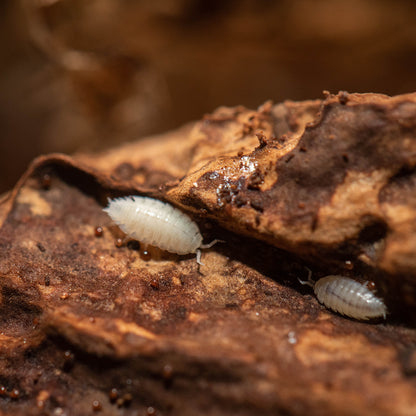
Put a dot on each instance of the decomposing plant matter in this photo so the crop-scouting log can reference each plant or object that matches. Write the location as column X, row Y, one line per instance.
column 328, row 183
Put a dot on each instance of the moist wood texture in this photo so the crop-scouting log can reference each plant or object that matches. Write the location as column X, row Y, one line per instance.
column 325, row 184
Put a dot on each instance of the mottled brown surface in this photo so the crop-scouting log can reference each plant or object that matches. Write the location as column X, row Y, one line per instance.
column 325, row 184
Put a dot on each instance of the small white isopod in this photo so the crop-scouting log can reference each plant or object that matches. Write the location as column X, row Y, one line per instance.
column 157, row 223
column 347, row 297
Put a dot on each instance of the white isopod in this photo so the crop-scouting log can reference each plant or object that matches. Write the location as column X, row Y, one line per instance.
column 347, row 297
column 157, row 223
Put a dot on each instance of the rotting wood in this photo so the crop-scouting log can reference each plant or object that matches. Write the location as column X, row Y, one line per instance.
column 328, row 184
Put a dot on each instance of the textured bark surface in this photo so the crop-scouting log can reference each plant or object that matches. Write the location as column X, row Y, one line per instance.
column 325, row 184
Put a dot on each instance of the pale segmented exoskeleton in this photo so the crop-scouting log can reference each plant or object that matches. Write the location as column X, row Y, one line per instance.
column 347, row 297
column 157, row 223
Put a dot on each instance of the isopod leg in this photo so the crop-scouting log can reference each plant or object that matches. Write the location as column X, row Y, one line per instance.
column 198, row 257
column 308, row 282
column 209, row 245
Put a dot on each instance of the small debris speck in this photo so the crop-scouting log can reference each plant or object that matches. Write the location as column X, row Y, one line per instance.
column 291, row 337
column 96, row 406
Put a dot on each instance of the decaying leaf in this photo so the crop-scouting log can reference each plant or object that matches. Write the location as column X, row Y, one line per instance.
column 92, row 324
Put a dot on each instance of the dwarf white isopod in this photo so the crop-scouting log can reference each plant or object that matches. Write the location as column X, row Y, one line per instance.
column 157, row 223
column 347, row 297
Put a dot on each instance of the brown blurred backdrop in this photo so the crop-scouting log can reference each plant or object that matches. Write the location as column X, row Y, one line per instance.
column 88, row 74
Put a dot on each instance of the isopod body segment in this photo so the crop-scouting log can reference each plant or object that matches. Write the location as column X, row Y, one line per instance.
column 155, row 222
column 348, row 297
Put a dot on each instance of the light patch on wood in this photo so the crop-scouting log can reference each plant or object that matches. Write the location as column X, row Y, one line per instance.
column 151, row 310
column 46, row 290
column 315, row 348
column 248, row 304
column 38, row 206
column 195, row 317
column 214, row 282
column 399, row 214
column 126, row 327
column 270, row 178
column 176, row 281
column 359, row 192
column 29, row 244
column 106, row 264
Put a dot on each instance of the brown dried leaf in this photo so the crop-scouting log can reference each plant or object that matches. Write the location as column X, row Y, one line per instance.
column 328, row 184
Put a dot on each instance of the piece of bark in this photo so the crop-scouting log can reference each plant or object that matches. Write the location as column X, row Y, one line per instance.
column 326, row 184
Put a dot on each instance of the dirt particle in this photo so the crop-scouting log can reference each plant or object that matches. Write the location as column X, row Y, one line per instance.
column 289, row 158
column 125, row 400
column 14, row 394
column 349, row 265
column 262, row 140
column 69, row 360
column 46, row 181
column 41, row 248
column 96, row 406
column 146, row 255
column 40, row 404
column 167, row 372
column 343, row 97
column 150, row 411
column 154, row 284
column 113, row 395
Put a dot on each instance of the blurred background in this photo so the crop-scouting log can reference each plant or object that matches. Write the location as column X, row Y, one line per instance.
column 84, row 75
